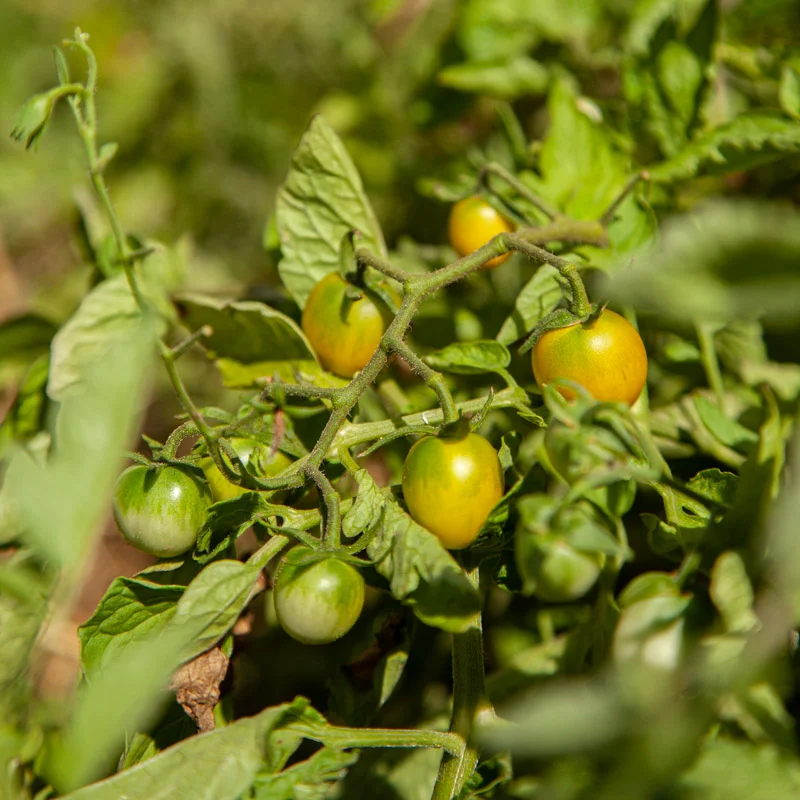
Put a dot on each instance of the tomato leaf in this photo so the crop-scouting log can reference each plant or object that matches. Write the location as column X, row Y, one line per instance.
column 132, row 609
column 250, row 340
column 470, row 358
column 582, row 170
column 310, row 779
column 726, row 768
column 220, row 765
column 365, row 513
column 509, row 80
column 320, row 201
column 753, row 138
column 421, row 573
column 732, row 594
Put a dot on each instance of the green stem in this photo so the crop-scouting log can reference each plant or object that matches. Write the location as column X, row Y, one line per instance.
column 365, row 258
column 341, row 737
column 633, row 181
column 708, row 355
column 469, row 699
column 518, row 186
column 333, row 514
column 352, row 434
column 431, row 377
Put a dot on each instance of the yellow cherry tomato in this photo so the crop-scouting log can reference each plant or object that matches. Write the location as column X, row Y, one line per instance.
column 450, row 484
column 344, row 333
column 606, row 356
column 256, row 458
column 473, row 222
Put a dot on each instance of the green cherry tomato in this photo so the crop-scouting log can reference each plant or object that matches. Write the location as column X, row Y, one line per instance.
column 319, row 602
column 256, row 458
column 564, row 574
column 344, row 333
column 473, row 223
column 606, row 356
column 160, row 511
column 450, row 484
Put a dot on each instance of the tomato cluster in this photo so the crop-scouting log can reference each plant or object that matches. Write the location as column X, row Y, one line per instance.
column 451, row 482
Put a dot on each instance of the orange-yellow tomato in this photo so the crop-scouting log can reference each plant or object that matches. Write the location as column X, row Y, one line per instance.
column 606, row 356
column 450, row 484
column 343, row 332
column 473, row 222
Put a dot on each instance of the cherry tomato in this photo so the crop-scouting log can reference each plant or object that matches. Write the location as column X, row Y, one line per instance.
column 473, row 222
column 318, row 602
column 344, row 333
column 256, row 458
column 161, row 510
column 565, row 574
column 450, row 484
column 606, row 356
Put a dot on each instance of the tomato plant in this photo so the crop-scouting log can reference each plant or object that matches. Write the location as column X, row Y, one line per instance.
column 554, row 544
column 161, row 510
column 473, row 222
column 343, row 332
column 317, row 602
column 605, row 355
column 450, row 484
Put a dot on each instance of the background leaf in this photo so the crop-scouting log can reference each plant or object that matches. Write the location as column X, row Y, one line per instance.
column 320, row 201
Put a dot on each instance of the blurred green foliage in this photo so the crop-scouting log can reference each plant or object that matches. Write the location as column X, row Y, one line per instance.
column 675, row 674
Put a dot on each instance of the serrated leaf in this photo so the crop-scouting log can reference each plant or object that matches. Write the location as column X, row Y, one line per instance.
column 220, row 765
column 320, row 201
column 470, row 358
column 509, row 80
column 421, row 573
column 132, row 609
column 308, row 780
column 365, row 513
column 249, row 339
column 753, row 138
column 582, row 170
column 226, row 521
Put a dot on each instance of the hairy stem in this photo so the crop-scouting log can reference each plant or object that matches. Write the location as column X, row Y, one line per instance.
column 518, row 186
column 469, row 699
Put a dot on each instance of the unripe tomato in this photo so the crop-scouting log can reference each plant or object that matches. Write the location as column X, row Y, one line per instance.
column 450, row 484
column 344, row 333
column 564, row 574
column 256, row 458
column 606, row 356
column 319, row 602
column 473, row 222
column 160, row 511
